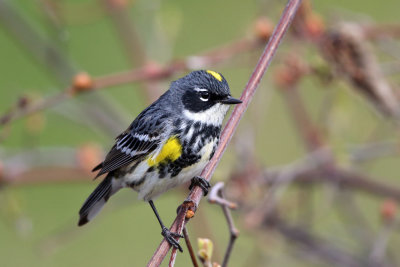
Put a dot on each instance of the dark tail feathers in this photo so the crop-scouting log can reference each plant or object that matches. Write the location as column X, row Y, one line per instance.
column 95, row 201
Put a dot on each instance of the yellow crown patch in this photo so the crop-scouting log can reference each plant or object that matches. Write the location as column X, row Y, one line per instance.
column 216, row 75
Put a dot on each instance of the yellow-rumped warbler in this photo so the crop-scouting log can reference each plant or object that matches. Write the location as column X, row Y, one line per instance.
column 168, row 144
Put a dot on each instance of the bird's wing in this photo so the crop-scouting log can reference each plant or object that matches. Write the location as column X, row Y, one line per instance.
column 141, row 138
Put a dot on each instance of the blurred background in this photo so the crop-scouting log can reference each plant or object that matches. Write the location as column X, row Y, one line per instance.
column 313, row 168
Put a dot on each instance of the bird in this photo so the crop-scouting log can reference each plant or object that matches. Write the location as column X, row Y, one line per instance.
column 168, row 144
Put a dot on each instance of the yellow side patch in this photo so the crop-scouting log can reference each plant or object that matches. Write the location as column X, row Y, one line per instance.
column 171, row 151
column 216, row 75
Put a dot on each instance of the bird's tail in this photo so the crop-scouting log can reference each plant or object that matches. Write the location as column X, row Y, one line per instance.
column 95, row 202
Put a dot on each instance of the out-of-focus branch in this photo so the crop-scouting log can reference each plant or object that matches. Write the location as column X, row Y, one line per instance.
column 43, row 50
column 57, row 164
column 19, row 168
column 342, row 178
column 346, row 49
column 310, row 135
column 156, row 72
column 82, row 82
column 373, row 31
column 127, row 33
column 27, row 108
column 233, row 121
column 372, row 151
column 313, row 245
column 47, row 53
column 125, row 30
column 284, row 177
column 287, row 78
column 391, row 222
column 217, row 196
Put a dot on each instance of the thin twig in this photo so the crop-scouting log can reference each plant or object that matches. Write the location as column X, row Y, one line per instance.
column 190, row 248
column 217, row 196
column 233, row 121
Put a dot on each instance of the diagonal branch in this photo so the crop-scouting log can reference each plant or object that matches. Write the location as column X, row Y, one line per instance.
column 82, row 82
column 263, row 63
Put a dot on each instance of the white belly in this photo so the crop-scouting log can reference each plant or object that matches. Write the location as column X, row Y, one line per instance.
column 153, row 186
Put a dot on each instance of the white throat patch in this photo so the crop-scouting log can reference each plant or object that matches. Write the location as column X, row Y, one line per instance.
column 214, row 115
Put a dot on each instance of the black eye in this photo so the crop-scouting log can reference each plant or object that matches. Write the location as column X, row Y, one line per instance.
column 204, row 96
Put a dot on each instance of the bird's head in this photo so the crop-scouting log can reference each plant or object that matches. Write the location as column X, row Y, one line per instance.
column 205, row 96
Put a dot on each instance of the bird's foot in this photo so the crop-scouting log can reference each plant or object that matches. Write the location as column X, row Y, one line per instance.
column 200, row 181
column 169, row 236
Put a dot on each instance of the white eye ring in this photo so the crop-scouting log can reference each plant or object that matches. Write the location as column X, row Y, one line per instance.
column 205, row 96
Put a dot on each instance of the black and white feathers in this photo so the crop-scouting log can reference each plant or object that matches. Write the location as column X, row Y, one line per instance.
column 191, row 111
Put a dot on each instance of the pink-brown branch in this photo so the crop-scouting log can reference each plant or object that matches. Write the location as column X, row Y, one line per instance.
column 148, row 72
column 262, row 65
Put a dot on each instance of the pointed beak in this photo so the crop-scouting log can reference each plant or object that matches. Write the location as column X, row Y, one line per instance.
column 231, row 101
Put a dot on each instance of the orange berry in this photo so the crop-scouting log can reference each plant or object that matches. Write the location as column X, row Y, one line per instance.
column 263, row 28
column 233, row 206
column 153, row 69
column 82, row 82
column 189, row 214
column 289, row 74
column 315, row 25
column 88, row 156
column 119, row 3
column 388, row 210
column 284, row 78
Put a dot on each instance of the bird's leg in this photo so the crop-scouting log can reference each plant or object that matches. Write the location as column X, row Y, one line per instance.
column 169, row 236
column 200, row 181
